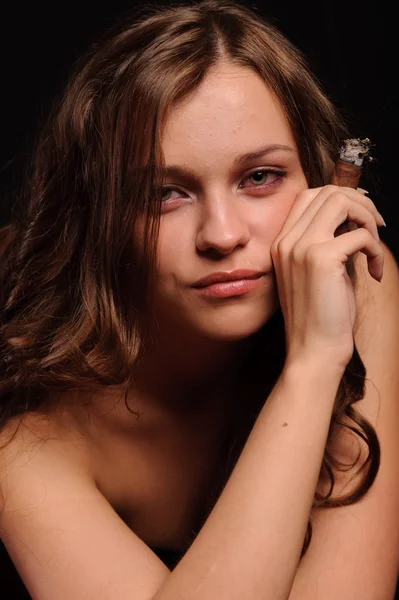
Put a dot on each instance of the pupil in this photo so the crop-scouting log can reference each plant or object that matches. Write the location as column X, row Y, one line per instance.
column 165, row 192
column 258, row 175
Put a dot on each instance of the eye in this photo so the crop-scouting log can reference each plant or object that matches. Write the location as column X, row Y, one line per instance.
column 261, row 176
column 165, row 193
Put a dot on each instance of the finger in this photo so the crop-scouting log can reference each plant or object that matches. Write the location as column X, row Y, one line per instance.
column 354, row 195
column 359, row 196
column 302, row 201
column 360, row 240
column 309, row 202
column 334, row 212
column 337, row 201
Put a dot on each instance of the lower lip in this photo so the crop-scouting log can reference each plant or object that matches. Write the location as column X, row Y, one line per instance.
column 231, row 288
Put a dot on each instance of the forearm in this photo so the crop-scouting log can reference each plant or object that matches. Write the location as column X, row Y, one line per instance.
column 250, row 545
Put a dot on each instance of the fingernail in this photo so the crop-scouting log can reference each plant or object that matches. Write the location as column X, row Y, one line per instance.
column 362, row 190
column 382, row 219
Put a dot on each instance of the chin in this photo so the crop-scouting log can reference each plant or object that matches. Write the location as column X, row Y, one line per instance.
column 232, row 328
column 223, row 321
column 230, row 336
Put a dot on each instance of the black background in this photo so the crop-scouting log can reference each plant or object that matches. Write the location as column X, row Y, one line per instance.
column 352, row 49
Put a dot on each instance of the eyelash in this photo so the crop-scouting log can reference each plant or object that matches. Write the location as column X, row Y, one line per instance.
column 280, row 174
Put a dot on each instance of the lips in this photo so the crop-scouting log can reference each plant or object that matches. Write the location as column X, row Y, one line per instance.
column 223, row 276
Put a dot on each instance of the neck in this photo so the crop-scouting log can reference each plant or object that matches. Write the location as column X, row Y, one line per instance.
column 187, row 374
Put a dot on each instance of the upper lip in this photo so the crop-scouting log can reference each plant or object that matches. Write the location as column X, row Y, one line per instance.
column 221, row 276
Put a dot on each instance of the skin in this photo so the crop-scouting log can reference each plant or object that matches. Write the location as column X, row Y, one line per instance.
column 158, row 474
column 218, row 219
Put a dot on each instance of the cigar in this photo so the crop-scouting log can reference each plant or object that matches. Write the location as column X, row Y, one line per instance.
column 348, row 167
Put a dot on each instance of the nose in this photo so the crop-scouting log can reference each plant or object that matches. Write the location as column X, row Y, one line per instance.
column 222, row 226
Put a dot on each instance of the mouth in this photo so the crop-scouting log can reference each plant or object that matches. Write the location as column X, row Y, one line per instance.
column 227, row 276
column 236, row 287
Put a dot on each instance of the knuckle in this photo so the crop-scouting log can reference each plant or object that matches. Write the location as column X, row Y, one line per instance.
column 347, row 189
column 371, row 223
column 371, row 206
column 275, row 248
column 363, row 234
column 337, row 198
column 366, row 235
column 284, row 247
column 297, row 254
column 338, row 202
column 330, row 187
column 314, row 256
column 275, row 245
column 307, row 194
column 304, row 194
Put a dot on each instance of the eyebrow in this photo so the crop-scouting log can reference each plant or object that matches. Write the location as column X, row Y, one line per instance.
column 175, row 170
column 263, row 151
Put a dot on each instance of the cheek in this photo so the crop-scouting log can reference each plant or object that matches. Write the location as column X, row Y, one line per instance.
column 270, row 220
column 173, row 246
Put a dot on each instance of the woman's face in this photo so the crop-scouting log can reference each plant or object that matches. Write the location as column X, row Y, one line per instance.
column 222, row 210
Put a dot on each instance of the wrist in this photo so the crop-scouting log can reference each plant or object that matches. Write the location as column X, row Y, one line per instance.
column 313, row 369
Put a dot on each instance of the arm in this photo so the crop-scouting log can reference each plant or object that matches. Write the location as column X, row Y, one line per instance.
column 249, row 547
column 67, row 542
column 354, row 551
column 242, row 515
column 254, row 539
column 71, row 530
column 64, row 538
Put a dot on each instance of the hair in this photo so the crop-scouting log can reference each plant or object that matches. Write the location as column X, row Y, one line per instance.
column 79, row 256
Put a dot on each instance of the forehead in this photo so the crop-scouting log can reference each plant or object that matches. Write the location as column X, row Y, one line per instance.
column 231, row 111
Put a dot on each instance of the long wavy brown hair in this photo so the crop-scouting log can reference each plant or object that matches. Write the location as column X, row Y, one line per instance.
column 79, row 256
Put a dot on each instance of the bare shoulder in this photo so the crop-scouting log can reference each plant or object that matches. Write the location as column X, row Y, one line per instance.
column 32, row 432
column 56, row 524
column 31, row 441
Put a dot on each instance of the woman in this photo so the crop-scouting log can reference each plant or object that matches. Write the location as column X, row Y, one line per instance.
column 149, row 412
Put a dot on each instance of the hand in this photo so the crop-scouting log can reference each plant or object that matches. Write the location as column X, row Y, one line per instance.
column 316, row 294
